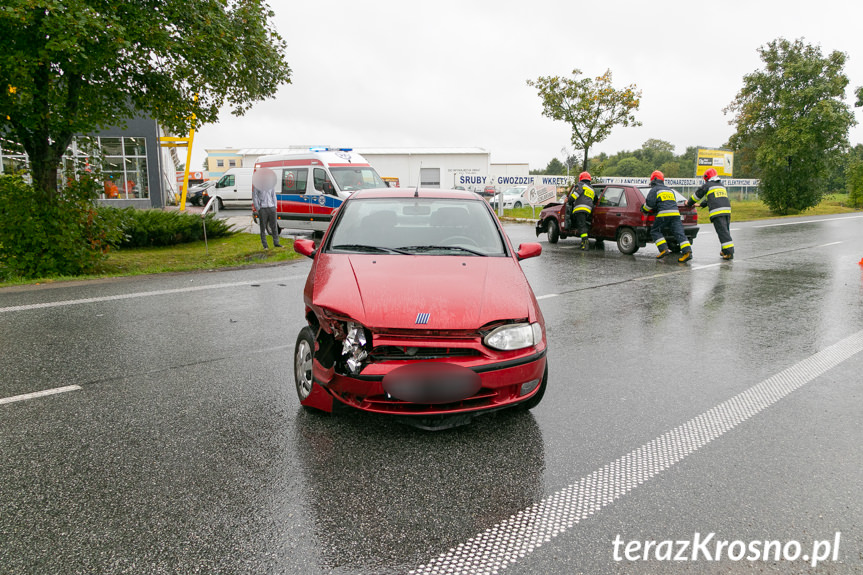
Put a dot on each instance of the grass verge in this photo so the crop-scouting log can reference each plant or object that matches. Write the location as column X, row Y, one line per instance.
column 238, row 250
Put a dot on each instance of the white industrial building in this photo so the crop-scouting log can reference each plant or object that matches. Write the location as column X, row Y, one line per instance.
column 428, row 167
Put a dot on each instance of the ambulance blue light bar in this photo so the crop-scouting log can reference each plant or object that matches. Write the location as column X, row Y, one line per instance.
column 331, row 149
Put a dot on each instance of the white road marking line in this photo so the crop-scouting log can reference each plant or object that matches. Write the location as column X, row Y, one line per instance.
column 807, row 222
column 139, row 294
column 512, row 539
column 36, row 394
column 548, row 295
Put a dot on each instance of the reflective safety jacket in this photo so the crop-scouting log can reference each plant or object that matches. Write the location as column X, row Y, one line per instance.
column 715, row 196
column 582, row 198
column 662, row 201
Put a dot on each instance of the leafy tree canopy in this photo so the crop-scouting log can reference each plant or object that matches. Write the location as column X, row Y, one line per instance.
column 592, row 107
column 792, row 114
column 76, row 66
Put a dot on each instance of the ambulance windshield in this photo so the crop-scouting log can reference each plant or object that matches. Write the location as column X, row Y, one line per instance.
column 359, row 178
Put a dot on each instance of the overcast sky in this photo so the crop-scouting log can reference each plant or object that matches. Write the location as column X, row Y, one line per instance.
column 452, row 73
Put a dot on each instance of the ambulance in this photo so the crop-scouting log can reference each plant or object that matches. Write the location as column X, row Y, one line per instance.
column 311, row 184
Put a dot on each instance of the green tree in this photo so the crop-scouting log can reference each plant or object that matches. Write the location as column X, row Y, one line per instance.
column 554, row 168
column 632, row 167
column 855, row 183
column 592, row 107
column 76, row 66
column 793, row 115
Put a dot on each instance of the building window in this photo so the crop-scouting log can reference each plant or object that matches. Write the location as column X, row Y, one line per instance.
column 220, row 163
column 124, row 168
column 13, row 160
column 121, row 163
column 232, row 163
column 430, row 177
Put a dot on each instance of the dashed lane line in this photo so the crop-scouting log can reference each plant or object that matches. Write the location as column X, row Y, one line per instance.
column 807, row 222
column 513, row 539
column 134, row 295
column 36, row 394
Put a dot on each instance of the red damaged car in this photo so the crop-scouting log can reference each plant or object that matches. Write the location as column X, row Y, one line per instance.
column 399, row 317
column 617, row 216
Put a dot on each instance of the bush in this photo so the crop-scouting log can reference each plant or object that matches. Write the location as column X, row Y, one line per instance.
column 64, row 237
column 150, row 228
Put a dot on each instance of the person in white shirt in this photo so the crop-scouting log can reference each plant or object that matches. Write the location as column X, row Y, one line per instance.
column 264, row 201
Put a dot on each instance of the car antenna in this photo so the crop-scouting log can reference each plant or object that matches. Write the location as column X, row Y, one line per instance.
column 417, row 191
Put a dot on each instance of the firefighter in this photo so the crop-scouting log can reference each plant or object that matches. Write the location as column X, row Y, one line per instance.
column 662, row 201
column 713, row 195
column 581, row 199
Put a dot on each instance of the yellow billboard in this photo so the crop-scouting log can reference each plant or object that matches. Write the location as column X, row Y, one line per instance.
column 720, row 160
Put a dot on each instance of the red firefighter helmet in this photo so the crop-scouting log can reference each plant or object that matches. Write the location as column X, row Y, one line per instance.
column 584, row 176
column 709, row 174
column 657, row 175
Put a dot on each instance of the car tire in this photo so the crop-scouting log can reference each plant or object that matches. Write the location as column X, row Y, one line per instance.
column 221, row 204
column 304, row 355
column 517, row 205
column 537, row 397
column 552, row 231
column 627, row 241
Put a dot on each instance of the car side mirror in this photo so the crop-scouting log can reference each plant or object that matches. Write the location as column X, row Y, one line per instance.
column 530, row 250
column 307, row 247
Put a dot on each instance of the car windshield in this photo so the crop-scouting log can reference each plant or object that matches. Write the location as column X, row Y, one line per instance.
column 360, row 178
column 427, row 226
column 680, row 198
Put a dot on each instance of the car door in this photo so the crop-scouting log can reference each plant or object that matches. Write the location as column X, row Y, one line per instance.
column 291, row 200
column 608, row 212
column 226, row 188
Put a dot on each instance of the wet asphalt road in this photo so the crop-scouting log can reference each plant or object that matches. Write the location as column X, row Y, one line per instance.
column 185, row 450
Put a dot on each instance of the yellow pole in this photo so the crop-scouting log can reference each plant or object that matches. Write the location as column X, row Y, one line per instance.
column 173, row 142
column 188, row 160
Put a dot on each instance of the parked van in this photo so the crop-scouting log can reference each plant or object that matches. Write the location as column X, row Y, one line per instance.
column 310, row 185
column 234, row 188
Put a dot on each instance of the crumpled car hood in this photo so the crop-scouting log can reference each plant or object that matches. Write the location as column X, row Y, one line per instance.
column 394, row 291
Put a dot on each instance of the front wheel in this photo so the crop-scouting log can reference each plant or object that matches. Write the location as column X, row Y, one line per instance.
column 552, row 231
column 304, row 353
column 627, row 242
column 517, row 205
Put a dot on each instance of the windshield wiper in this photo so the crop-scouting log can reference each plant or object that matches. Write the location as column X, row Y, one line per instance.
column 439, row 248
column 367, row 248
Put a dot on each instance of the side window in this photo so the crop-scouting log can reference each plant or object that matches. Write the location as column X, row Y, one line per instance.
column 294, row 181
column 612, row 197
column 226, row 181
column 322, row 182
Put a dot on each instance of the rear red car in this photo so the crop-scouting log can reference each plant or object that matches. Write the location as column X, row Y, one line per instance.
column 617, row 216
column 398, row 318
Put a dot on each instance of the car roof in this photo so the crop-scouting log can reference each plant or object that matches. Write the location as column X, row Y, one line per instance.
column 414, row 193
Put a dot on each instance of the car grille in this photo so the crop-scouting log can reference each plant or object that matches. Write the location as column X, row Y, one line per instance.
column 404, row 353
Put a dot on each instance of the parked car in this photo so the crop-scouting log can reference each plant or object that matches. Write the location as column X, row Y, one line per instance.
column 489, row 191
column 392, row 326
column 511, row 198
column 617, row 216
column 198, row 194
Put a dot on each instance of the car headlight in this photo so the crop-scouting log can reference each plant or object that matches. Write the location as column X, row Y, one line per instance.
column 354, row 347
column 514, row 336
